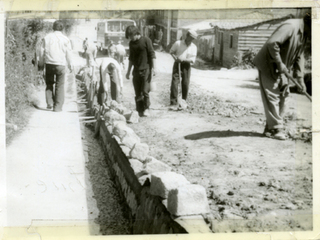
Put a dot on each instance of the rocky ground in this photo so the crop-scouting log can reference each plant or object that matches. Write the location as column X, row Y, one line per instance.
column 253, row 183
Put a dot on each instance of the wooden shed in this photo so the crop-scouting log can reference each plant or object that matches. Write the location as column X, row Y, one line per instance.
column 238, row 35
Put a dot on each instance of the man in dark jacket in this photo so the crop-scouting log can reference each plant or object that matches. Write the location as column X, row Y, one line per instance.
column 280, row 56
column 142, row 58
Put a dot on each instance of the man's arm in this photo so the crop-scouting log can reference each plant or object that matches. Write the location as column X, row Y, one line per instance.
column 151, row 56
column 129, row 69
column 279, row 36
column 118, row 67
column 298, row 72
column 69, row 56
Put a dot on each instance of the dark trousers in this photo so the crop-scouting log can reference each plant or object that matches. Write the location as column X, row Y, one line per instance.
column 185, row 75
column 141, row 84
column 114, row 93
column 55, row 75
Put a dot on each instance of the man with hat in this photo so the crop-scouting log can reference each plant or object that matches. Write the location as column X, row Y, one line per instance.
column 184, row 53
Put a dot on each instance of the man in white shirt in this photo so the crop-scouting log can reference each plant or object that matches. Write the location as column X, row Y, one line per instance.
column 111, row 81
column 57, row 53
column 184, row 53
column 120, row 53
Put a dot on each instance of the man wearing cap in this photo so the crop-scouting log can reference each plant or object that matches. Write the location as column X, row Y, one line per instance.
column 184, row 53
column 280, row 56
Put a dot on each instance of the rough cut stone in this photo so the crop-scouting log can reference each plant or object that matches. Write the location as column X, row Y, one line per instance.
column 120, row 129
column 144, row 178
column 125, row 150
column 112, row 116
column 109, row 127
column 132, row 117
column 193, row 224
column 139, row 151
column 163, row 182
column 117, row 139
column 137, row 167
column 156, row 166
column 130, row 139
column 188, row 199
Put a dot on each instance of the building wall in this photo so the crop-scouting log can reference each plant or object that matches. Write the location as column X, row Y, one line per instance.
column 256, row 37
column 228, row 52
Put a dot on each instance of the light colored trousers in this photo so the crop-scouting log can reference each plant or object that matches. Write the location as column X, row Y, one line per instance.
column 273, row 101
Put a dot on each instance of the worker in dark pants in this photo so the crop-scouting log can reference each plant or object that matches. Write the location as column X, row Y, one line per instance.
column 184, row 53
column 280, row 56
column 142, row 58
column 57, row 53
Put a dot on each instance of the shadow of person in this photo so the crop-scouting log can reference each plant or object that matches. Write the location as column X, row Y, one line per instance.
column 221, row 134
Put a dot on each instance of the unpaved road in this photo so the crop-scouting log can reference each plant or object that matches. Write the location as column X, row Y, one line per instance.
column 253, row 183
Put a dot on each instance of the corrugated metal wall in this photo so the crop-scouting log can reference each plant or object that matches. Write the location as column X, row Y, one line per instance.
column 255, row 38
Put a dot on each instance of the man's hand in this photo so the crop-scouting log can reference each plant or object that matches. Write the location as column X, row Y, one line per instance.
column 302, row 88
column 128, row 75
column 71, row 68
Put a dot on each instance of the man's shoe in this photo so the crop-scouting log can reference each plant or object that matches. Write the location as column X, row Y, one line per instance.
column 279, row 134
column 267, row 132
column 49, row 107
column 146, row 113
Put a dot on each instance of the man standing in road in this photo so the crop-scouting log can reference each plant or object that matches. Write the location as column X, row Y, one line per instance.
column 142, row 58
column 184, row 53
column 281, row 55
column 57, row 52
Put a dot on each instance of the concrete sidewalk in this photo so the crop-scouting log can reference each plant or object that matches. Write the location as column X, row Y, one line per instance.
column 45, row 169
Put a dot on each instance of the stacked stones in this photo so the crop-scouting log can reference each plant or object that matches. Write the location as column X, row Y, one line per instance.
column 185, row 201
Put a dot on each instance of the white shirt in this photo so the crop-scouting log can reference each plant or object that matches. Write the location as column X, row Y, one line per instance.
column 57, row 49
column 104, row 64
column 120, row 49
column 184, row 52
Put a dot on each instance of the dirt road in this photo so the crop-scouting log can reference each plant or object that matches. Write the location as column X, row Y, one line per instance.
column 253, row 183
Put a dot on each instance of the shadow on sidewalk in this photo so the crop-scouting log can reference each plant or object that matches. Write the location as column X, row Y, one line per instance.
column 221, row 134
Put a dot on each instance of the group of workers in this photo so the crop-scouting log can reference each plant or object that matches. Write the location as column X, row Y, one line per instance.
column 280, row 59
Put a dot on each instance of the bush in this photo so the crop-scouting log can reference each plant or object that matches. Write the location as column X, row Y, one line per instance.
column 21, row 76
column 244, row 60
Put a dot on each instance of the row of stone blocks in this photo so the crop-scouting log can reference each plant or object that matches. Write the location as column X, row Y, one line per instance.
column 182, row 200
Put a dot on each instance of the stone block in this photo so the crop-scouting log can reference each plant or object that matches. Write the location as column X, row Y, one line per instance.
column 144, row 178
column 120, row 129
column 188, row 199
column 130, row 139
column 112, row 116
column 139, row 151
column 156, row 166
column 163, row 182
column 125, row 150
column 137, row 167
column 132, row 117
column 117, row 139
column 109, row 127
column 193, row 224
